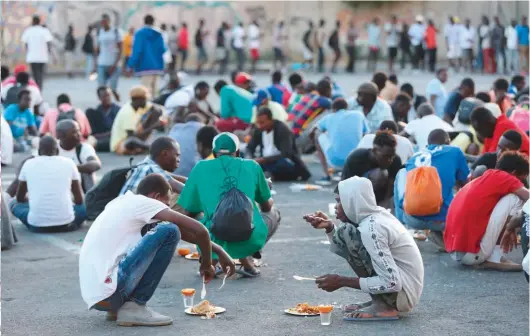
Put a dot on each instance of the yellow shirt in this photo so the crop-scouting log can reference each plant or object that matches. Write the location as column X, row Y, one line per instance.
column 210, row 157
column 127, row 45
column 126, row 120
column 278, row 112
column 462, row 140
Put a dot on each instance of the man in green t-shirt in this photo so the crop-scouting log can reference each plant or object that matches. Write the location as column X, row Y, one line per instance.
column 209, row 179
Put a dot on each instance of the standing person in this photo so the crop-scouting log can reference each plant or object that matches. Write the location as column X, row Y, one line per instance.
column 37, row 40
column 88, row 50
column 172, row 45
column 69, row 51
column 334, row 43
column 278, row 36
column 308, row 45
column 416, row 34
column 436, row 93
column 202, row 56
column 404, row 45
column 374, row 44
column 183, row 43
column 128, row 40
column 498, row 44
column 512, row 54
column 254, row 36
column 484, row 31
column 453, row 40
column 522, row 38
column 352, row 35
column 238, row 36
column 221, row 51
column 147, row 58
column 108, row 52
column 430, row 43
column 320, row 37
column 468, row 39
column 392, row 40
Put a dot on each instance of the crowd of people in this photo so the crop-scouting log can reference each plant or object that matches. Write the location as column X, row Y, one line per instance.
column 452, row 167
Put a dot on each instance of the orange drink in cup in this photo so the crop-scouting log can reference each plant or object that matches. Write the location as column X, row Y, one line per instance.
column 325, row 314
column 188, row 294
column 183, row 252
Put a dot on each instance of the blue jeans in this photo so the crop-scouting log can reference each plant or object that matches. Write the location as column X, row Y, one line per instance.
column 21, row 211
column 104, row 78
column 89, row 64
column 140, row 271
column 281, row 170
column 422, row 224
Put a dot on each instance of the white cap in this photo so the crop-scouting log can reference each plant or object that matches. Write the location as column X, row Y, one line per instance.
column 419, row 18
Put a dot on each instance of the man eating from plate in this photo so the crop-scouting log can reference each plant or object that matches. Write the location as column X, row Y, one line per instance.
column 377, row 246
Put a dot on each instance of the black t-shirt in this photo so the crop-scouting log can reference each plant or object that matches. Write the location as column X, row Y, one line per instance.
column 333, row 41
column 220, row 38
column 306, row 39
column 198, row 38
column 488, row 159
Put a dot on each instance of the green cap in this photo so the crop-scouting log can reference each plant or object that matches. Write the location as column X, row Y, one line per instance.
column 225, row 143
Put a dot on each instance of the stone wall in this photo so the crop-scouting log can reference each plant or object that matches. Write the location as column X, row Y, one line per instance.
column 57, row 15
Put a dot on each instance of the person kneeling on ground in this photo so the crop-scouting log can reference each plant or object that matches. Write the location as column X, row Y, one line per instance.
column 236, row 103
column 511, row 140
column 185, row 134
column 204, row 139
column 263, row 99
column 102, row 118
column 479, row 213
column 278, row 155
column 211, row 180
column 383, row 255
column 44, row 195
column 134, row 124
column 404, row 147
column 119, row 269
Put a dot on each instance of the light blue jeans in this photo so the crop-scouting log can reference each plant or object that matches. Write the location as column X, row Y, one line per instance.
column 89, row 64
column 21, row 211
column 105, row 79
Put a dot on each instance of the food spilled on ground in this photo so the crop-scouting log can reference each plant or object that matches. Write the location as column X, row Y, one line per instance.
column 204, row 308
column 305, row 308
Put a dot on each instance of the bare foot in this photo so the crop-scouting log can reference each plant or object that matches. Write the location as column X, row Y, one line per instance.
column 356, row 306
column 376, row 311
column 501, row 267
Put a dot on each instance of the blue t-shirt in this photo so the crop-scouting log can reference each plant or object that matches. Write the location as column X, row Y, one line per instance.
column 18, row 120
column 276, row 92
column 522, row 35
column 451, row 165
column 452, row 103
column 344, row 129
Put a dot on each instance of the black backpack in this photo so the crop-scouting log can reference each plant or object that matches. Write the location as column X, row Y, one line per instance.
column 70, row 115
column 97, row 198
column 12, row 94
column 333, row 40
column 466, row 107
column 232, row 219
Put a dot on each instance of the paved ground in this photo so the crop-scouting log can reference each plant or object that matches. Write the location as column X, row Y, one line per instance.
column 41, row 292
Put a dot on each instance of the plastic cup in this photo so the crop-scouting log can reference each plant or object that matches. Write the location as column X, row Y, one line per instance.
column 325, row 314
column 187, row 295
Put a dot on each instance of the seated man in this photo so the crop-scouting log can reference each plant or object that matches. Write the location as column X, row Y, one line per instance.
column 82, row 154
column 199, row 104
column 384, row 257
column 379, row 164
column 263, row 99
column 12, row 80
column 102, row 118
column 211, row 178
column 480, row 211
column 374, row 108
column 6, row 141
column 185, row 134
column 336, row 135
column 22, row 81
column 492, row 129
column 417, row 100
column 390, row 91
column 119, row 270
column 134, row 124
column 278, row 156
column 419, row 129
column 277, row 91
column 517, row 84
column 21, row 121
column 404, row 148
column 400, row 109
column 172, row 86
column 511, row 140
column 499, row 95
column 465, row 90
column 64, row 110
column 178, row 103
column 204, row 139
column 451, row 165
column 48, row 182
column 236, row 103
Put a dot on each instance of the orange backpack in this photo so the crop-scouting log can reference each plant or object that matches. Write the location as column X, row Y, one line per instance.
column 423, row 192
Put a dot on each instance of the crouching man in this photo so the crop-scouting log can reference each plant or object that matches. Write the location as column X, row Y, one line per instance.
column 384, row 256
column 119, row 270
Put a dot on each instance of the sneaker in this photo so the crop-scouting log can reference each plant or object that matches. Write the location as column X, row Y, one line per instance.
column 325, row 181
column 132, row 314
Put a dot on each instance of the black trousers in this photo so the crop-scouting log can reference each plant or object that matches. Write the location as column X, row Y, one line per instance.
column 37, row 71
column 431, row 55
column 321, row 60
column 419, row 57
column 351, row 58
column 406, row 53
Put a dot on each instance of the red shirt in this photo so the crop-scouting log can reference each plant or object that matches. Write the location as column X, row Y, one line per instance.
column 470, row 210
column 183, row 39
column 504, row 124
column 430, row 37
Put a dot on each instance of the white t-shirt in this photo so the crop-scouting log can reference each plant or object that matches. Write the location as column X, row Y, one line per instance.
column 267, row 139
column 392, row 38
column 6, row 138
column 37, row 38
column 238, row 33
column 511, row 37
column 253, row 36
column 115, row 232
column 404, row 148
column 485, row 33
column 85, row 152
column 277, row 35
column 179, row 98
column 421, row 128
column 467, row 38
column 453, row 34
column 49, row 180
column 416, row 33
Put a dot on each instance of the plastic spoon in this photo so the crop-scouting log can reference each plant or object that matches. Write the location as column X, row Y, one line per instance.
column 224, row 279
column 296, row 277
column 203, row 291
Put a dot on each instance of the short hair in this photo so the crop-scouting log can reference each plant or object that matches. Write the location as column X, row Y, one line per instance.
column 408, row 89
column 514, row 137
column 201, row 85
column 161, row 144
column 468, row 82
column 484, row 96
column 63, row 98
column 102, row 89
column 501, row 84
column 513, row 161
column 149, row 19
column 22, row 93
column 205, row 136
column 64, row 126
column 264, row 110
column 276, row 76
column 105, row 16
column 219, row 85
column 425, row 109
column 23, row 78
column 393, row 78
column 310, row 86
column 481, row 115
column 389, row 125
column 403, row 97
column 437, row 137
column 379, row 79
column 517, row 79
column 163, row 26
column 339, row 104
column 385, row 139
column 323, row 85
column 153, row 183
column 193, row 117
column 295, row 79
column 35, row 20
column 440, row 70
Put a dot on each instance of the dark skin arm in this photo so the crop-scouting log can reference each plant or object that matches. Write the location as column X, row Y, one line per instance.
column 92, row 165
column 176, row 185
column 448, row 119
column 179, row 178
column 22, row 191
column 77, row 191
column 267, row 206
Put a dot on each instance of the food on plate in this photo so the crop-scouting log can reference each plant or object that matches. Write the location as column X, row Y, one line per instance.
column 183, row 252
column 188, row 291
column 204, row 308
column 195, row 255
column 311, row 187
column 325, row 308
column 305, row 308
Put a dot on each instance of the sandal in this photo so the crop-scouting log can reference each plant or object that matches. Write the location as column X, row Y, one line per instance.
column 355, row 307
column 368, row 316
column 248, row 273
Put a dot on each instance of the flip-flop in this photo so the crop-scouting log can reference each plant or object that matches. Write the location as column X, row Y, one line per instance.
column 218, row 270
column 350, row 317
column 248, row 273
column 353, row 307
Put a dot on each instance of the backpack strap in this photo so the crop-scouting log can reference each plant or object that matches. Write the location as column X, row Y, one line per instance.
column 78, row 152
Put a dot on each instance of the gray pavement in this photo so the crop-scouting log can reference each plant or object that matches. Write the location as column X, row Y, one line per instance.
column 41, row 293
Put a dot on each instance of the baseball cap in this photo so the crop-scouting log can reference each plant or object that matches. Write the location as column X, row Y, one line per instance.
column 419, row 18
column 20, row 68
column 242, row 78
column 260, row 95
column 225, row 143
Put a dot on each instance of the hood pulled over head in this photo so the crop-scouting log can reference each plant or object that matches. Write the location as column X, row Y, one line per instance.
column 358, row 199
